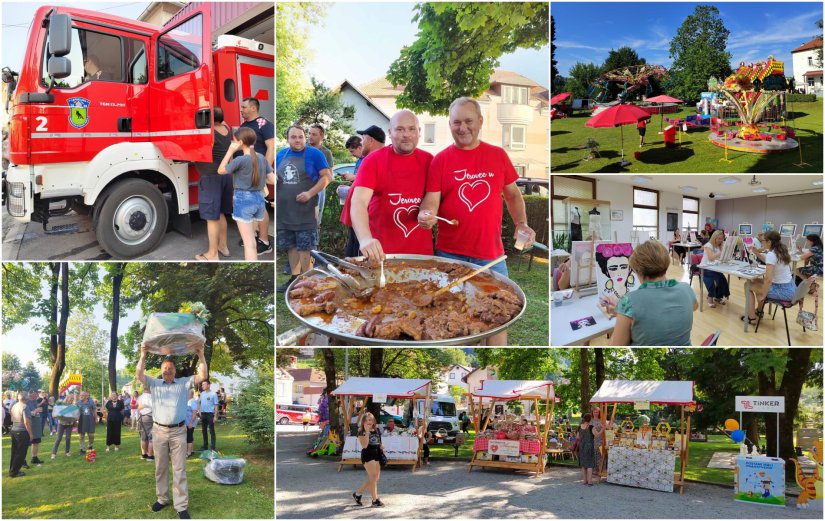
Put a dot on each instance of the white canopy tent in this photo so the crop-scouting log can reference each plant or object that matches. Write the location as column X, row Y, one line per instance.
column 507, row 391
column 669, row 392
column 399, row 388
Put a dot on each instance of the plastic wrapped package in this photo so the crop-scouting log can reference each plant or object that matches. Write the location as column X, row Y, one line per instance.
column 225, row 471
column 66, row 411
column 173, row 334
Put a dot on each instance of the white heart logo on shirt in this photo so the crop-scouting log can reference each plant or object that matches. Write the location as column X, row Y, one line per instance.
column 396, row 216
column 476, row 196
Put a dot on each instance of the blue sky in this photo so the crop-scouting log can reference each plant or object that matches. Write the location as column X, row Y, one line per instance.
column 359, row 41
column 587, row 31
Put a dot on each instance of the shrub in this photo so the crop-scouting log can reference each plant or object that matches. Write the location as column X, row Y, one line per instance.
column 255, row 407
column 800, row 98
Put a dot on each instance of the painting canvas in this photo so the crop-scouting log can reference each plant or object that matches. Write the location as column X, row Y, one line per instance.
column 787, row 229
column 768, row 227
column 728, row 248
column 582, row 266
column 815, row 229
column 614, row 275
column 745, row 229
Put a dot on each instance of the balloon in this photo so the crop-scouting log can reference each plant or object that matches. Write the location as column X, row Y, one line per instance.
column 738, row 436
column 731, row 424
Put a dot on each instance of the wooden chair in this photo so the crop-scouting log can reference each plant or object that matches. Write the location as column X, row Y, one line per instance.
column 798, row 296
column 567, row 449
column 553, row 449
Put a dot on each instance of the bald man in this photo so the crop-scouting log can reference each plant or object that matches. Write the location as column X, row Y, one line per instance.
column 387, row 194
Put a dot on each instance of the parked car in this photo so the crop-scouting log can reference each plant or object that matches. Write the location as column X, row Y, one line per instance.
column 343, row 168
column 382, row 419
column 533, row 186
column 286, row 413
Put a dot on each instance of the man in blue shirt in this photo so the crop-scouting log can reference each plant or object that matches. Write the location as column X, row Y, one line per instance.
column 169, row 397
column 207, row 402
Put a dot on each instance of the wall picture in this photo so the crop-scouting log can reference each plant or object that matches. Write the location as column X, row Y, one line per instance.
column 616, row 215
column 787, row 229
column 815, row 229
column 745, row 229
column 672, row 221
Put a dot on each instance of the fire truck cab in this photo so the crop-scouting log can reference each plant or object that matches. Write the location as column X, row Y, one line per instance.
column 110, row 113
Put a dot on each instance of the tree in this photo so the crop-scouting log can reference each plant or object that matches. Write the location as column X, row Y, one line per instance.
column 292, row 54
column 458, row 47
column 325, row 107
column 30, row 377
column 818, row 50
column 581, row 75
column 584, row 370
column 554, row 71
column 116, row 276
column 699, row 52
column 623, row 57
column 88, row 351
column 12, row 371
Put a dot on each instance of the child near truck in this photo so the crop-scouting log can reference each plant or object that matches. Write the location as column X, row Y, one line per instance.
column 247, row 169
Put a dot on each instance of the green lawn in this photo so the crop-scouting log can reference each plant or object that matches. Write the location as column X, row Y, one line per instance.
column 698, row 457
column 122, row 485
column 531, row 330
column 696, row 154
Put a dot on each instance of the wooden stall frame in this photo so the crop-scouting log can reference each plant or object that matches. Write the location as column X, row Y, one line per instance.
column 363, row 409
column 684, row 447
column 538, row 467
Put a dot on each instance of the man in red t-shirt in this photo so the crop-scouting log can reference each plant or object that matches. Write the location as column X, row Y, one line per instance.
column 465, row 183
column 387, row 194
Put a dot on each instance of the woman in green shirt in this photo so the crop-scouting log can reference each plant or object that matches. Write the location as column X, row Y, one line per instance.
column 660, row 311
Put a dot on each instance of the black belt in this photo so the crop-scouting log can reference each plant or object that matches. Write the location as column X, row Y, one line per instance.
column 171, row 426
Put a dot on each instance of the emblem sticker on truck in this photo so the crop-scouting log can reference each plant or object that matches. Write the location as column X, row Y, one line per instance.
column 79, row 112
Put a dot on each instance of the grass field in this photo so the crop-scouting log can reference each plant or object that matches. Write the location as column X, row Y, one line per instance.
column 696, row 155
column 532, row 329
column 122, row 485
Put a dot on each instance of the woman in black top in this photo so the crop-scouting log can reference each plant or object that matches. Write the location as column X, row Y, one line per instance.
column 114, row 421
column 369, row 436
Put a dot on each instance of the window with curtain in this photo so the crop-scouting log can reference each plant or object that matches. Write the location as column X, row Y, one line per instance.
column 645, row 213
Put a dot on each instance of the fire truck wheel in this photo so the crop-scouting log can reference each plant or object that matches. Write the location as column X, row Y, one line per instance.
column 132, row 219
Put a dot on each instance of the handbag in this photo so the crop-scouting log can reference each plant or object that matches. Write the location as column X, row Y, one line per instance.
column 807, row 319
column 382, row 458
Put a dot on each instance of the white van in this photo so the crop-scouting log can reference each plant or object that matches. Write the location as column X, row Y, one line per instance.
column 442, row 415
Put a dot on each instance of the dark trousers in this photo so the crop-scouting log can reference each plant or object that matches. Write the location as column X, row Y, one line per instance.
column 717, row 284
column 426, row 451
column 19, row 446
column 208, row 422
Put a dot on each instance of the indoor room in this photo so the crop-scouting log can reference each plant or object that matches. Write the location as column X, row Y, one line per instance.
column 733, row 260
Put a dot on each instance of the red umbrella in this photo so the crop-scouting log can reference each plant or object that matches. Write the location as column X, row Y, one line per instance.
column 663, row 98
column 558, row 98
column 617, row 116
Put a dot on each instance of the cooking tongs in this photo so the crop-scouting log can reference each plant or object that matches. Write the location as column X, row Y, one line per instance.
column 359, row 288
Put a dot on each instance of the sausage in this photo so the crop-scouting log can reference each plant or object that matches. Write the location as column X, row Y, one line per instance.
column 369, row 326
column 308, row 283
column 324, row 297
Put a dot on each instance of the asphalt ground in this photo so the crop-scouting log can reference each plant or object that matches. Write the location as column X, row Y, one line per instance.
column 29, row 242
column 309, row 488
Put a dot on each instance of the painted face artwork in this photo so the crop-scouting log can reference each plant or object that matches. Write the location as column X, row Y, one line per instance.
column 614, row 261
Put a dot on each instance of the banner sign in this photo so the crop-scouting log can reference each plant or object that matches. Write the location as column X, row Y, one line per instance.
column 504, row 447
column 775, row 404
column 379, row 398
column 760, row 480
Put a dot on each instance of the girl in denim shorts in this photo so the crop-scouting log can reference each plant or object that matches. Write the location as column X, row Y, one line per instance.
column 249, row 173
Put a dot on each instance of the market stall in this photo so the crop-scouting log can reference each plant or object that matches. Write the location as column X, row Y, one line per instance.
column 516, row 443
column 402, row 449
column 645, row 457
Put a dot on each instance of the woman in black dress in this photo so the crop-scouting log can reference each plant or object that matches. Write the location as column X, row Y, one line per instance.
column 114, row 422
column 369, row 436
column 586, row 447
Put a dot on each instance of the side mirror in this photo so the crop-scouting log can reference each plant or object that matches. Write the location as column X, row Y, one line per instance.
column 60, row 35
column 8, row 75
column 59, row 67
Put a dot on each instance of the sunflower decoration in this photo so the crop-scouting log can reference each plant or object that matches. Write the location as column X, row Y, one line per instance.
column 197, row 309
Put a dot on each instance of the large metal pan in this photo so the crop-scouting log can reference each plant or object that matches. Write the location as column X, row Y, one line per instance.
column 414, row 270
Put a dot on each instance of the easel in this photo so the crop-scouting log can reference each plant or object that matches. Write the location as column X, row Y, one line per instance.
column 588, row 265
column 476, row 412
column 725, row 159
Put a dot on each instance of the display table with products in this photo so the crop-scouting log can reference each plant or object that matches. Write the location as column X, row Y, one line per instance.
column 514, row 442
column 642, row 468
column 405, row 448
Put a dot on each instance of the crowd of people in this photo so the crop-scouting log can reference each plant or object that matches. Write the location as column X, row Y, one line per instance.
column 234, row 183
column 399, row 191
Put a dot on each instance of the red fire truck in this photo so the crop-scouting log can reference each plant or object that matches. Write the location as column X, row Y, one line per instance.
column 109, row 114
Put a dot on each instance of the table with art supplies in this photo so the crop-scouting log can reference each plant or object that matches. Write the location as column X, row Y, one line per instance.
column 406, row 447
column 640, row 453
column 514, row 441
column 578, row 319
column 740, row 269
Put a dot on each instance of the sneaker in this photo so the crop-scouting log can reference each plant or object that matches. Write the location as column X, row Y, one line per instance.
column 157, row 507
column 25, row 465
column 723, row 300
column 53, row 455
column 117, row 448
column 377, row 503
column 184, row 514
column 36, row 461
column 357, row 498
column 150, row 458
column 67, row 454
column 83, row 451
column 107, row 449
column 263, row 247
column 19, row 474
column 257, row 234
column 283, row 287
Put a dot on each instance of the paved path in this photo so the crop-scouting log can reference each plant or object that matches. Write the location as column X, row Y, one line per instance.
column 311, row 488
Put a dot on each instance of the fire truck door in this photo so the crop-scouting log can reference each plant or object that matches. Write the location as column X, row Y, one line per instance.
column 180, row 99
column 257, row 81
